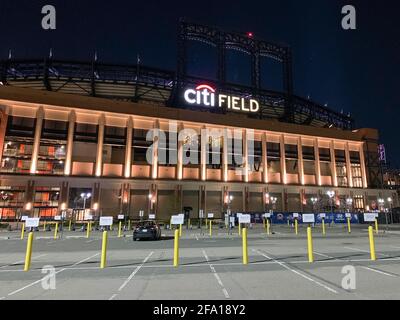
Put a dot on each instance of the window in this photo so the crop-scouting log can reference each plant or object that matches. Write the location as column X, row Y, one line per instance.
column 85, row 132
column 308, row 153
column 324, row 154
column 57, row 130
column 255, row 156
column 356, row 175
column 140, row 145
column 21, row 127
column 291, row 151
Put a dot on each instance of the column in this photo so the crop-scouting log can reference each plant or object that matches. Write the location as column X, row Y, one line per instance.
column 224, row 167
column 95, row 204
column 100, row 142
column 203, row 154
column 153, row 200
column 154, row 166
column 128, row 148
column 317, row 163
column 300, row 159
column 70, row 143
column 348, row 166
column 63, row 199
column 36, row 141
column 125, row 197
column 265, row 198
column 333, row 164
column 245, row 156
column 264, row 157
column 246, row 199
column 179, row 165
column 29, row 194
column 284, row 200
column 3, row 127
column 283, row 159
column 363, row 170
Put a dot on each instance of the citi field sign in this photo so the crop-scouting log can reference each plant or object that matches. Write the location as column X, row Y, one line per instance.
column 206, row 96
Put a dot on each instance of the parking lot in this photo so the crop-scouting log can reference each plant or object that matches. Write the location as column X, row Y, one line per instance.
column 209, row 267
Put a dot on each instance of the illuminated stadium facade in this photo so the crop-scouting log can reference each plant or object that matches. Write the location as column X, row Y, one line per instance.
column 69, row 128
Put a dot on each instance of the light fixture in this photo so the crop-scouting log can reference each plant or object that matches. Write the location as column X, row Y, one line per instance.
column 330, row 193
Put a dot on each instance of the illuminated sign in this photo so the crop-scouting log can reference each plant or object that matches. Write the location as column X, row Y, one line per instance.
column 206, row 96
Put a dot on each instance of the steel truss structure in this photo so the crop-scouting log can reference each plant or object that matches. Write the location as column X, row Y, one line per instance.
column 139, row 83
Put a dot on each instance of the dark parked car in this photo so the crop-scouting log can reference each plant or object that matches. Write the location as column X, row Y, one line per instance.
column 147, row 230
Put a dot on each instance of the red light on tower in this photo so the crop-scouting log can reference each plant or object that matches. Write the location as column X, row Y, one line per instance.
column 250, row 34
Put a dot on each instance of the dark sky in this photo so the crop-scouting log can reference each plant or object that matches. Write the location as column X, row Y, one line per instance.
column 355, row 71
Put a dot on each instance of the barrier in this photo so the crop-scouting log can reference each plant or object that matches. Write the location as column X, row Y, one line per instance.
column 348, row 225
column 120, row 229
column 44, row 226
column 323, row 226
column 244, row 244
column 176, row 248
column 310, row 245
column 376, row 226
column 104, row 250
column 88, row 229
column 23, row 231
column 268, row 227
column 180, row 230
column 210, row 228
column 28, row 254
column 371, row 243
column 296, row 228
column 70, row 224
column 56, row 231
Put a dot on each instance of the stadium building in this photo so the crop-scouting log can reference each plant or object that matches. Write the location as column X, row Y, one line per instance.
column 74, row 135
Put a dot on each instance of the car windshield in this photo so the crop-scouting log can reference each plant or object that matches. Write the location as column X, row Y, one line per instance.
column 146, row 224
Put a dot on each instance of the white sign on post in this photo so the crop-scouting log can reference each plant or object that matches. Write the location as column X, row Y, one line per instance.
column 322, row 215
column 210, row 215
column 308, row 218
column 23, row 218
column 121, row 217
column 244, row 218
column 348, row 215
column 295, row 215
column 152, row 216
column 178, row 219
column 201, row 213
column 106, row 221
column 141, row 213
column 267, row 215
column 232, row 221
column 57, row 218
column 88, row 216
column 369, row 217
column 32, row 222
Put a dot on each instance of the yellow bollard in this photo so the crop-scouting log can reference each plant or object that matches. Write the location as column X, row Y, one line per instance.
column 23, row 231
column 376, row 226
column 28, row 254
column 176, row 248
column 89, row 226
column 188, row 224
column 56, row 231
column 240, row 229
column 348, row 225
column 44, row 225
column 268, row 227
column 129, row 225
column 310, row 245
column 70, row 224
column 371, row 243
column 206, row 222
column 210, row 228
column 119, row 229
column 244, row 242
column 288, row 223
column 323, row 226
column 296, row 227
column 180, row 230
column 103, row 250
column 264, row 223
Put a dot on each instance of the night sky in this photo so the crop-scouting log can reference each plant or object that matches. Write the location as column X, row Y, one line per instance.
column 356, row 71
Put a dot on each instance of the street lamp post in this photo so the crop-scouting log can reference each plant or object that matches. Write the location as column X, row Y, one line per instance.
column 349, row 204
column 381, row 206
column 314, row 200
column 390, row 200
column 229, row 199
column 85, row 196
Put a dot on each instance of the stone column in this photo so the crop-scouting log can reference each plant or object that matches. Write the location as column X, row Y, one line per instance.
column 36, row 139
column 156, row 138
column 179, row 165
column 317, row 163
column 100, row 142
column 333, row 164
column 203, row 154
column 363, row 169
column 264, row 157
column 128, row 148
column 70, row 143
column 3, row 127
column 245, row 171
column 300, row 159
column 348, row 166
column 283, row 159
column 224, row 166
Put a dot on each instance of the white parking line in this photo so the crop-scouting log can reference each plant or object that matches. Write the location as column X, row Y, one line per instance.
column 134, row 272
column 366, row 251
column 113, row 296
column 224, row 291
column 363, row 267
column 1, row 298
column 61, row 270
column 284, row 265
column 22, row 261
